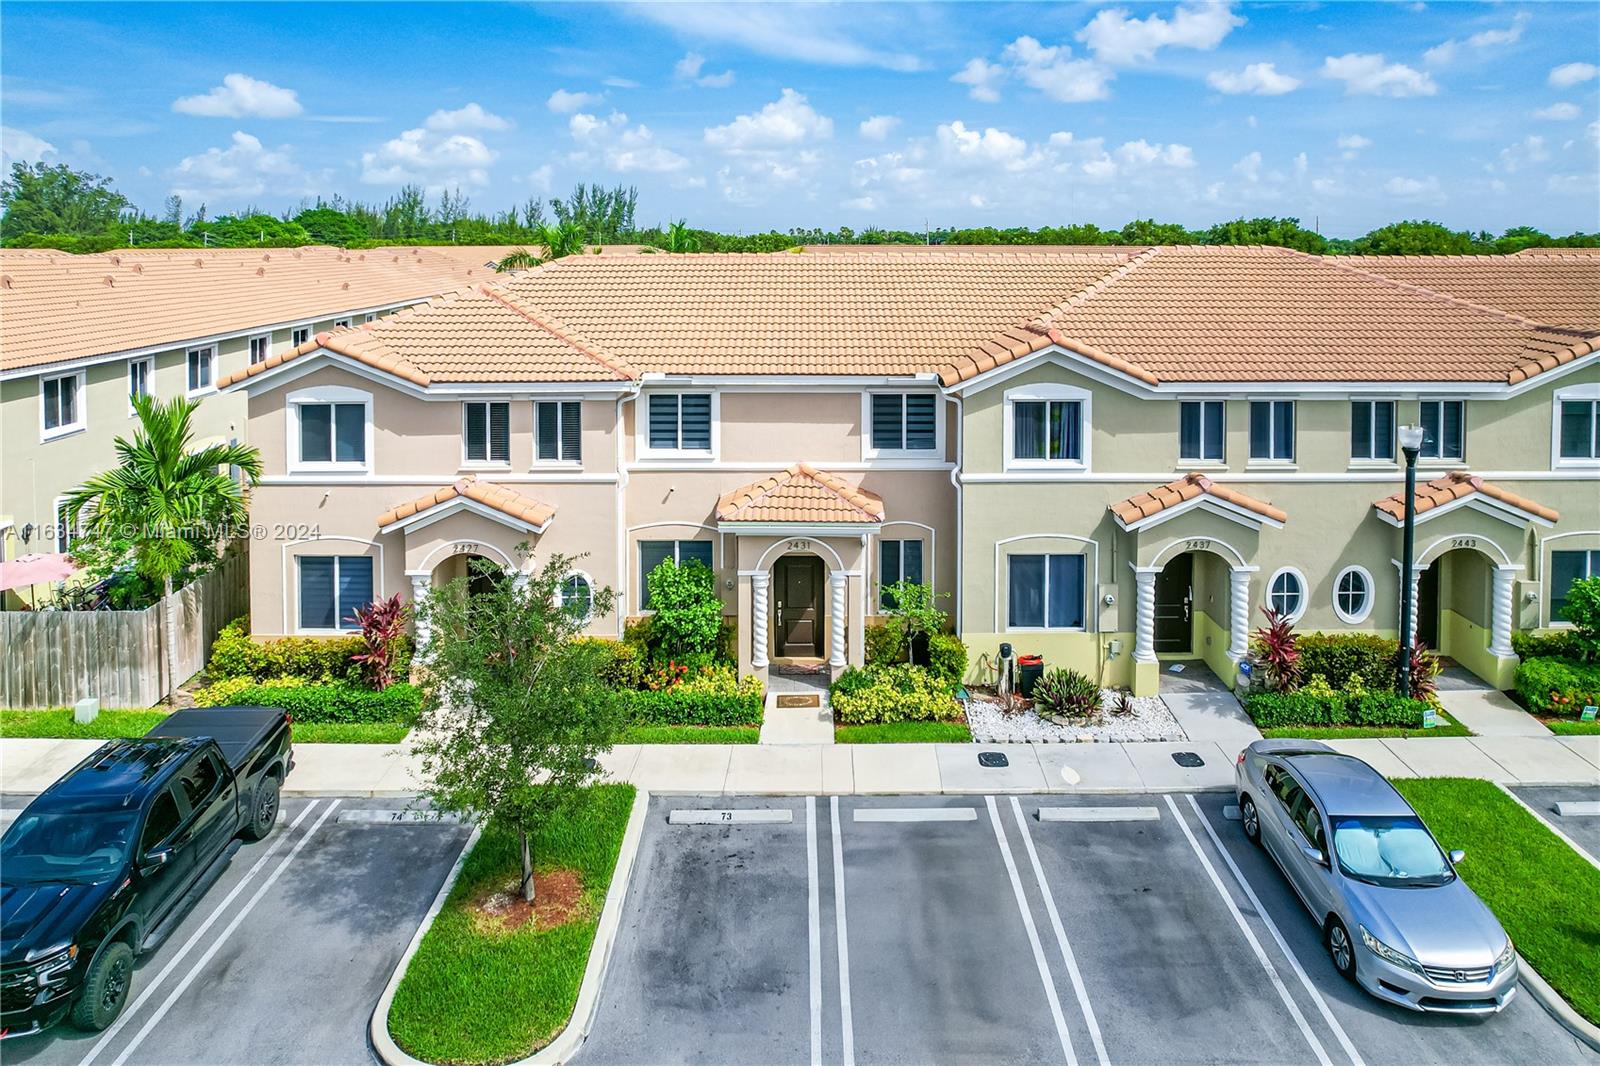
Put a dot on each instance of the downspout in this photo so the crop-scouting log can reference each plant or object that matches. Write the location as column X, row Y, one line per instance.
column 622, row 511
column 955, row 480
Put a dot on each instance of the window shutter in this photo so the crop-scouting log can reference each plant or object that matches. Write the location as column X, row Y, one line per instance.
column 652, row 553
column 1451, row 437
column 1215, row 415
column 1066, row 591
column 316, row 592
column 1028, row 418
column 1189, row 431
column 547, row 432
column 696, row 422
column 476, row 431
column 886, row 422
column 1283, row 430
column 1383, row 430
column 664, row 422
column 355, row 588
column 499, row 432
column 316, row 433
column 1025, row 595
column 1260, row 431
column 921, row 423
column 350, row 433
column 572, row 431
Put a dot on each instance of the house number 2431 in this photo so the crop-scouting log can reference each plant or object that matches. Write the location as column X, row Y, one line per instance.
column 799, row 545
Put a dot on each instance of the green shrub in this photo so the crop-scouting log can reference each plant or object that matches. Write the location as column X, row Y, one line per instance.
column 1319, row 706
column 1548, row 644
column 312, row 702
column 234, row 654
column 640, row 634
column 1583, row 611
column 1557, row 686
column 1387, row 709
column 1336, row 656
column 898, row 693
column 886, row 643
column 622, row 664
column 947, row 658
column 687, row 624
column 1066, row 692
column 714, row 696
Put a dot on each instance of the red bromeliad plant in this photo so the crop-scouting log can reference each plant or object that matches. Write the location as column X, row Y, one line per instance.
column 1275, row 648
column 1425, row 669
column 383, row 625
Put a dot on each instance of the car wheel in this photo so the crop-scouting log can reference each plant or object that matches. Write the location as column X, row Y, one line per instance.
column 105, row 988
column 1340, row 949
column 1250, row 819
column 263, row 810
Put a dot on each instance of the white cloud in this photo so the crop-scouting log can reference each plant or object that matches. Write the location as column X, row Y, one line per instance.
column 989, row 147
column 1141, row 153
column 1562, row 112
column 623, row 147
column 1530, row 151
column 1354, row 142
column 1444, row 53
column 1569, row 74
column 1260, row 79
column 689, row 66
column 1369, row 75
column 860, row 203
column 1301, row 165
column 431, row 156
column 471, row 117
column 1116, row 38
column 1249, row 167
column 240, row 96
column 540, row 177
column 715, row 81
column 804, row 32
column 878, row 127
column 563, row 102
column 1412, row 188
column 1054, row 72
column 788, row 120
column 243, row 170
column 20, row 146
column 614, row 82
column 982, row 79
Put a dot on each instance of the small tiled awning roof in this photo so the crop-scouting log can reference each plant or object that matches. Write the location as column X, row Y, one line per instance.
column 1137, row 509
column 508, row 502
column 1458, row 485
column 800, row 493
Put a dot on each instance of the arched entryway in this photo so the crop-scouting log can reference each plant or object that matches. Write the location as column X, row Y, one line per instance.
column 1464, row 603
column 799, row 612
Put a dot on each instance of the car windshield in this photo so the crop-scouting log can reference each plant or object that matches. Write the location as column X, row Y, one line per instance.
column 1391, row 852
column 66, row 846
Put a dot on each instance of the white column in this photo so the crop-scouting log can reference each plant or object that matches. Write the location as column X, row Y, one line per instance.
column 1144, row 625
column 836, row 617
column 1500, row 613
column 420, row 586
column 758, row 619
column 1416, row 580
column 1239, row 613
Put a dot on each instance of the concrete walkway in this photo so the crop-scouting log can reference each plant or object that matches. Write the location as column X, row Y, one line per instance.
column 1205, row 707
column 28, row 766
column 1489, row 713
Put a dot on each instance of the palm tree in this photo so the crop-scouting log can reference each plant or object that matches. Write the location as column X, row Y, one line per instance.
column 556, row 242
column 166, row 500
column 679, row 239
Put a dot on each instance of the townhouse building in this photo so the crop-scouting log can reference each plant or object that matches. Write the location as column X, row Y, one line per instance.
column 80, row 334
column 1112, row 458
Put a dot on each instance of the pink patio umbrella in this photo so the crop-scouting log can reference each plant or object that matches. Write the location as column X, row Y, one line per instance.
column 35, row 570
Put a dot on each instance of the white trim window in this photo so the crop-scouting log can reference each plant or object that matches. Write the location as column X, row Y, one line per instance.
column 341, row 323
column 576, row 594
column 141, row 379
column 557, row 431
column 61, row 405
column 299, row 335
column 1352, row 594
column 332, row 588
column 1567, row 567
column 260, row 348
column 1577, row 426
column 902, row 424
column 1444, row 429
column 1286, row 593
column 486, row 433
column 1272, row 431
column 202, row 368
column 1372, row 431
column 371, row 316
column 898, row 560
column 1046, row 591
column 652, row 553
column 1202, row 431
column 680, row 424
column 330, row 430
column 65, row 534
column 1047, row 428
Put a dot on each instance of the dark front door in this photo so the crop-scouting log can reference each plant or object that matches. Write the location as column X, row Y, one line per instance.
column 1174, row 595
column 1428, row 606
column 799, row 581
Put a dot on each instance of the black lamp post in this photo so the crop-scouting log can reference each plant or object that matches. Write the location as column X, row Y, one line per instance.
column 1411, row 445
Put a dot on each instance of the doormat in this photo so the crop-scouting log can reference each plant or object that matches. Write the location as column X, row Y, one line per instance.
column 798, row 700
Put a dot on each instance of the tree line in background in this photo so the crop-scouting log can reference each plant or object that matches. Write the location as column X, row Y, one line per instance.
column 55, row 206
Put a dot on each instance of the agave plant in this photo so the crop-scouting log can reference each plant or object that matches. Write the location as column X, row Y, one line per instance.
column 1066, row 693
column 1275, row 649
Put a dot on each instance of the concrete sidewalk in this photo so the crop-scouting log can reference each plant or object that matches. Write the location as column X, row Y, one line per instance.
column 28, row 766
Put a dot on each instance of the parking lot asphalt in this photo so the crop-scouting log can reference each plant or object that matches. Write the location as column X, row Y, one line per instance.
column 1581, row 829
column 900, row 929
column 282, row 960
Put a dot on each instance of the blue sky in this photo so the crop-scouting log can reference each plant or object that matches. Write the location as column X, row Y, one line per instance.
column 757, row 116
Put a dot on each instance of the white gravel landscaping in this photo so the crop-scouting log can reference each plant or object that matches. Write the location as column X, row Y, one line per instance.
column 1150, row 720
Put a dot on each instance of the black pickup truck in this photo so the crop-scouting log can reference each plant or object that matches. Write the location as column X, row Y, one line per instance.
column 103, row 864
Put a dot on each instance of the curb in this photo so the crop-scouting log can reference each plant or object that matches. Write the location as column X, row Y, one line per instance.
column 1568, row 841
column 566, row 1043
column 1559, row 1009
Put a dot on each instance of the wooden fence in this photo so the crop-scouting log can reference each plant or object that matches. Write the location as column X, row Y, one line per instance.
column 55, row 658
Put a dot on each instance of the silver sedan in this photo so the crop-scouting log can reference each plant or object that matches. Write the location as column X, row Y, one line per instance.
column 1395, row 918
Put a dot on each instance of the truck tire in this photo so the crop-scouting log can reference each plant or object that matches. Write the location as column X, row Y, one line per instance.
column 105, row 988
column 263, row 810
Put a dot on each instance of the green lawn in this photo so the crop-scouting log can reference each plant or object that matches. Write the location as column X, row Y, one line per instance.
column 474, row 996
column 904, row 733
column 57, row 723
column 1571, row 727
column 349, row 732
column 691, row 734
column 1358, row 732
column 1541, row 890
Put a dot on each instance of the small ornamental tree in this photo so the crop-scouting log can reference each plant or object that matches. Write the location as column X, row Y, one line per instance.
column 687, row 625
column 514, row 706
column 911, row 605
column 1583, row 611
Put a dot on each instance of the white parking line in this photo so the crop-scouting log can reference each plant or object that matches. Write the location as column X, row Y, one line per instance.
column 1255, row 945
column 1277, row 937
column 1099, row 814
column 222, row 938
column 814, row 930
column 1061, row 936
column 1033, row 934
column 916, row 814
column 846, row 1015
column 216, row 912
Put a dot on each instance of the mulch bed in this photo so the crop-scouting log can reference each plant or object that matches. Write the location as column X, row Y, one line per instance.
column 557, row 899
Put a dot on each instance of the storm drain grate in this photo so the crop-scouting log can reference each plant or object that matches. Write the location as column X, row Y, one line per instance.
column 1188, row 759
column 993, row 759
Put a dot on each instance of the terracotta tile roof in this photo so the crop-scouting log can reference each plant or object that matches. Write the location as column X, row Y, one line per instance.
column 1456, row 485
column 57, row 307
column 1558, row 287
column 801, row 493
column 1243, row 314
column 1136, row 509
column 507, row 501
